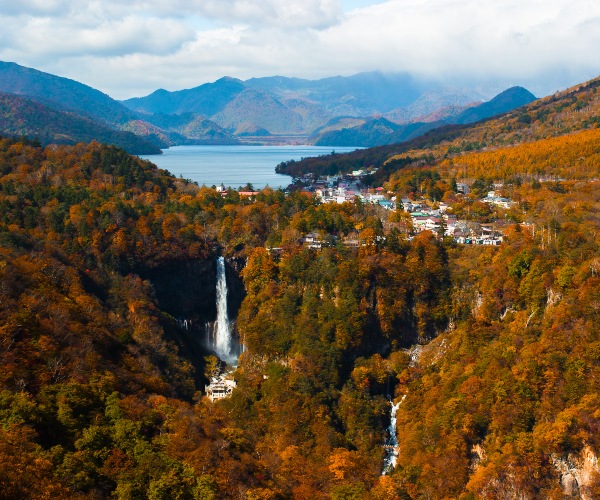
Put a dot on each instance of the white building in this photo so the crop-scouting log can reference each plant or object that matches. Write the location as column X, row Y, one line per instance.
column 499, row 201
column 219, row 388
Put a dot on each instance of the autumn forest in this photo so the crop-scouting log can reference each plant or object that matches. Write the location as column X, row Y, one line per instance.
column 493, row 351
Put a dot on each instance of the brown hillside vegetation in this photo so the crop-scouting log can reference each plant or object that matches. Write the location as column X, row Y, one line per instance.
column 573, row 156
column 497, row 349
column 572, row 110
column 496, row 403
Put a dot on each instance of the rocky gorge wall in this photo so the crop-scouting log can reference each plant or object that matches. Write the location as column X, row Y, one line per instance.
column 186, row 292
column 187, row 289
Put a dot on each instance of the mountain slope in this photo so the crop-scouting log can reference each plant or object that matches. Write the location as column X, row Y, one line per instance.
column 232, row 105
column 577, row 108
column 260, row 109
column 185, row 128
column 23, row 117
column 508, row 100
column 207, row 99
column 61, row 93
column 373, row 133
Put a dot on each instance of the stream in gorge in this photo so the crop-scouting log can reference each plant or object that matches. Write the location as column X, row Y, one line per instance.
column 391, row 443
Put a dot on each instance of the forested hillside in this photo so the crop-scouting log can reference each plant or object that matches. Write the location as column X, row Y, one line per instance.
column 570, row 111
column 493, row 352
column 380, row 131
column 22, row 117
column 61, row 93
column 62, row 111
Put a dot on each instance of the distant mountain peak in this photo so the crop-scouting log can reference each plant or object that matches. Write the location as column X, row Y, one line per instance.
column 515, row 92
column 231, row 79
column 509, row 99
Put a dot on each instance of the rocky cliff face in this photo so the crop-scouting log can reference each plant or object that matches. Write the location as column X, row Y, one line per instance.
column 187, row 289
column 579, row 474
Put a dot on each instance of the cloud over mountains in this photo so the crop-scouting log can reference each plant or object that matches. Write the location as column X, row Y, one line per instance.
column 132, row 48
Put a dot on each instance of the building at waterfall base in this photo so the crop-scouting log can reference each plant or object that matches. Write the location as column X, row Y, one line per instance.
column 219, row 388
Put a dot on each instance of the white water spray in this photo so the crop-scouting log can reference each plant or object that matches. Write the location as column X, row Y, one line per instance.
column 391, row 444
column 222, row 331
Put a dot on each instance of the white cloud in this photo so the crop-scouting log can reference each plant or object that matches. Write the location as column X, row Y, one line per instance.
column 33, row 7
column 284, row 14
column 44, row 37
column 133, row 48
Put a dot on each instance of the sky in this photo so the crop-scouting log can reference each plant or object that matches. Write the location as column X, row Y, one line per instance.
column 129, row 48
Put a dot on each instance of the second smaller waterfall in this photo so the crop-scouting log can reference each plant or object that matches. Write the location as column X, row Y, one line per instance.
column 391, row 443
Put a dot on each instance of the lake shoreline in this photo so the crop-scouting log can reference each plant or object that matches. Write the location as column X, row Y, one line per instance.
column 235, row 166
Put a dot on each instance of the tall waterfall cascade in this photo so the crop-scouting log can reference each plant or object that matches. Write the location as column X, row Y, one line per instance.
column 222, row 340
column 222, row 331
column 391, row 443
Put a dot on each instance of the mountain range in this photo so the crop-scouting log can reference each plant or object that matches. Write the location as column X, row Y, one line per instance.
column 362, row 110
column 560, row 114
column 25, row 117
column 380, row 131
column 310, row 108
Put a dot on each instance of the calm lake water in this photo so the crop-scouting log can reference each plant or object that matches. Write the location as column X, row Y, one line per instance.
column 234, row 166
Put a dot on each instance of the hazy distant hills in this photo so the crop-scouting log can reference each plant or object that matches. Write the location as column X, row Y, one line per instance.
column 23, row 117
column 381, row 131
column 283, row 105
column 146, row 133
column 361, row 110
column 363, row 94
column 435, row 105
column 359, row 95
column 561, row 114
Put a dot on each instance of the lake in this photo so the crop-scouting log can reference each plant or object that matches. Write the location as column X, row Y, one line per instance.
column 234, row 166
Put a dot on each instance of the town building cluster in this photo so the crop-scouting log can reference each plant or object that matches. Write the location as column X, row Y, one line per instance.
column 423, row 216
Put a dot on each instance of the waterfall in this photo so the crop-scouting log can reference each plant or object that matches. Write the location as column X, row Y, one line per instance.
column 222, row 339
column 391, row 443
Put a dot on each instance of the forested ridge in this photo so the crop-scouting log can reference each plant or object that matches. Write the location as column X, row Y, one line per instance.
column 570, row 111
column 495, row 348
column 21, row 117
column 380, row 131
